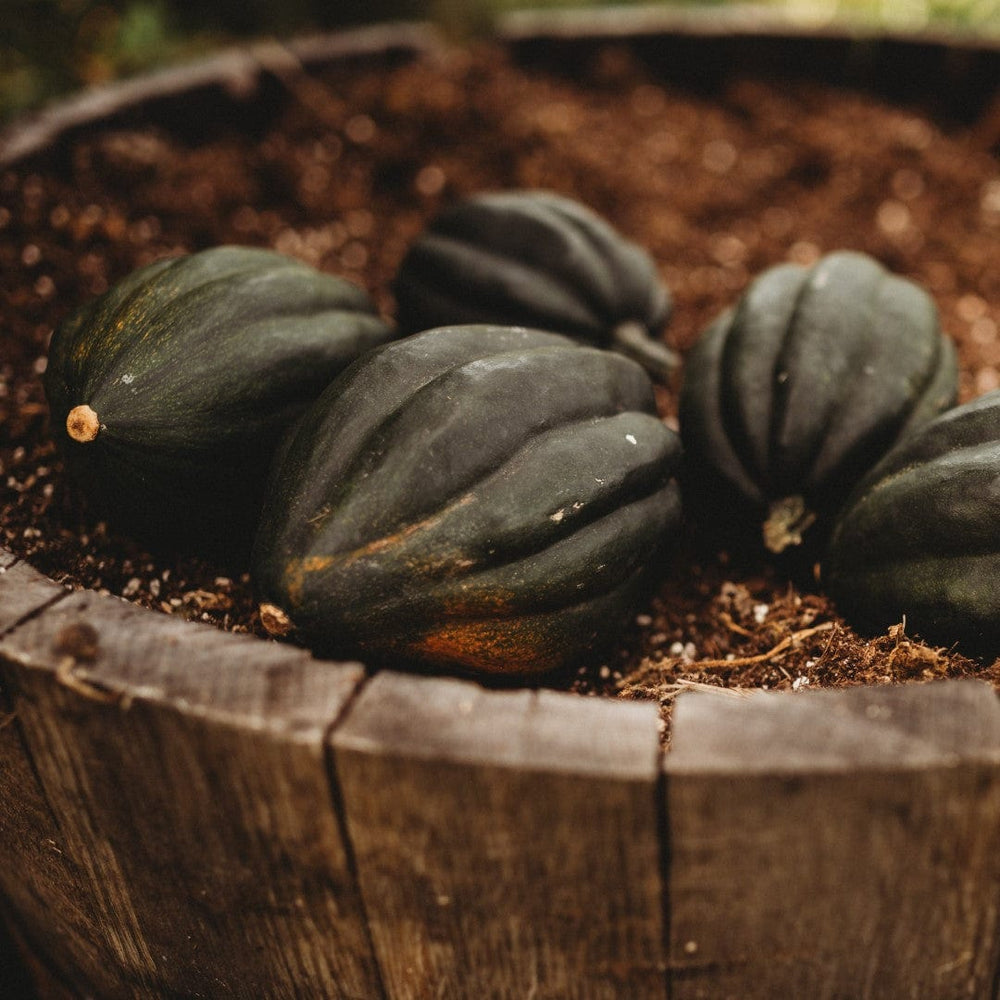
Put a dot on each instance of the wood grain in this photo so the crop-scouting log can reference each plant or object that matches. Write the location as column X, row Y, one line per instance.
column 23, row 591
column 35, row 867
column 45, row 894
column 13, row 974
column 31, row 978
column 835, row 844
column 185, row 770
column 507, row 842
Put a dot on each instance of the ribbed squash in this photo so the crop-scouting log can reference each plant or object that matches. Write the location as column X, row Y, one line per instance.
column 793, row 395
column 920, row 537
column 536, row 259
column 480, row 498
column 169, row 392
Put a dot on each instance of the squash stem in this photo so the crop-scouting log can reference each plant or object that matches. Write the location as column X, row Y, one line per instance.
column 275, row 621
column 787, row 520
column 82, row 424
column 634, row 341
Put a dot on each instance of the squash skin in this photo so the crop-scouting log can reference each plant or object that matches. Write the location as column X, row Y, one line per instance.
column 536, row 259
column 920, row 536
column 481, row 499
column 791, row 396
column 194, row 366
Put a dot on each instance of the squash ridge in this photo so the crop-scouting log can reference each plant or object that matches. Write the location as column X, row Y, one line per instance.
column 371, row 457
column 475, row 592
column 639, row 483
column 526, row 226
column 852, row 434
column 751, row 328
column 793, row 452
column 321, row 431
column 504, row 288
column 713, row 436
column 646, row 302
column 155, row 298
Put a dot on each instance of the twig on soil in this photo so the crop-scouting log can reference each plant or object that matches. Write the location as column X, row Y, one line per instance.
column 727, row 620
column 747, row 661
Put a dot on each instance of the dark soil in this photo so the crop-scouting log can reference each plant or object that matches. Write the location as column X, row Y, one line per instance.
column 345, row 173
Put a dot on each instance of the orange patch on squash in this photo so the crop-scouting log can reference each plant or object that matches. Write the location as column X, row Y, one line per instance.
column 296, row 571
column 404, row 533
column 514, row 646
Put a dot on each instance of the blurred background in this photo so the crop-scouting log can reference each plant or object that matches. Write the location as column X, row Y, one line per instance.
column 51, row 47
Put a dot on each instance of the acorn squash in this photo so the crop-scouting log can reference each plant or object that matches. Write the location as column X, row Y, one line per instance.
column 169, row 392
column 536, row 259
column 919, row 539
column 480, row 498
column 791, row 396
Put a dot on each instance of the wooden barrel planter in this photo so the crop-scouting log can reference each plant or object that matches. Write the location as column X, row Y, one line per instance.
column 186, row 812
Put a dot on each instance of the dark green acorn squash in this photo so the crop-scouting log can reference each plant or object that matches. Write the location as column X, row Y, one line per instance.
column 169, row 392
column 793, row 395
column 536, row 259
column 481, row 498
column 920, row 537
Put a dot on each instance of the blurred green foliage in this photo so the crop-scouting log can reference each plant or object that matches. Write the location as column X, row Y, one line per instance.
column 50, row 47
